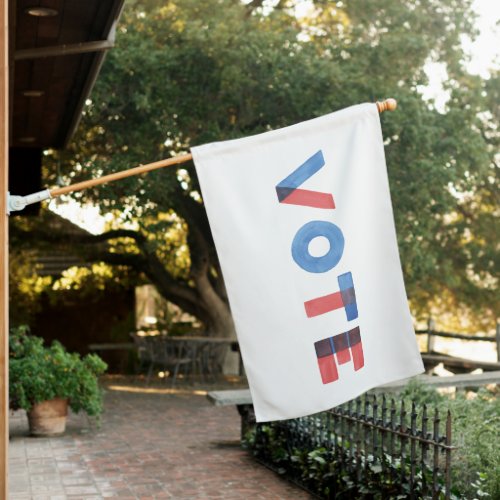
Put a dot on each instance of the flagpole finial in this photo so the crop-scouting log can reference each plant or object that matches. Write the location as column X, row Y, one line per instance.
column 387, row 105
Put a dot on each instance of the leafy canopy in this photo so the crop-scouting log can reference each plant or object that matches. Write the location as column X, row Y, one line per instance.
column 186, row 72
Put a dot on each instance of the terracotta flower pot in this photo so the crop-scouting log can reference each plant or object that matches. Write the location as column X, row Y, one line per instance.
column 48, row 417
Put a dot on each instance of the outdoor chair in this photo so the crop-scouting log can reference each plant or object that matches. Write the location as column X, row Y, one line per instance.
column 175, row 356
column 213, row 359
column 142, row 349
column 195, row 352
column 158, row 351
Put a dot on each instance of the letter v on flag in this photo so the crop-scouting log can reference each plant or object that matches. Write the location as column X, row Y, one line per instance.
column 303, row 225
column 288, row 192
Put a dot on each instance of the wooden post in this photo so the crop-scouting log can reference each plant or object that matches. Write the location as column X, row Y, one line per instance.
column 4, row 248
column 431, row 326
column 498, row 341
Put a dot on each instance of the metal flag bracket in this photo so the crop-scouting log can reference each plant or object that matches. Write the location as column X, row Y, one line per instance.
column 16, row 203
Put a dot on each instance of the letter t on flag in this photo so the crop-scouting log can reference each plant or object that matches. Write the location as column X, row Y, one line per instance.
column 303, row 225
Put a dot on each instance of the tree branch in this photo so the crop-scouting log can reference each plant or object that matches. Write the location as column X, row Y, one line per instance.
column 118, row 233
column 135, row 261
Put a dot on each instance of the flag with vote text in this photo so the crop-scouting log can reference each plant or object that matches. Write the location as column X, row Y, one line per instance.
column 303, row 225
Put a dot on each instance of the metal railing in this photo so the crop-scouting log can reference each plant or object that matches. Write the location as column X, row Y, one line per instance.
column 371, row 441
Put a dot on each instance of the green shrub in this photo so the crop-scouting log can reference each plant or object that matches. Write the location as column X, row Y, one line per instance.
column 475, row 435
column 38, row 373
column 332, row 473
column 475, row 464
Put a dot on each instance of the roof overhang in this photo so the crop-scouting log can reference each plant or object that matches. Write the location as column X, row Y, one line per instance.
column 57, row 48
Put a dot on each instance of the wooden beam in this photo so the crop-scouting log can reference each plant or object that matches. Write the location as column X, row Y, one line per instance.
column 433, row 359
column 63, row 50
column 461, row 336
column 4, row 248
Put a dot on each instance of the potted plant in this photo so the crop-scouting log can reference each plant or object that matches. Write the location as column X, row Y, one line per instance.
column 45, row 380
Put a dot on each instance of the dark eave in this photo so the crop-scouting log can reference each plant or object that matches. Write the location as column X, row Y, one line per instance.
column 55, row 61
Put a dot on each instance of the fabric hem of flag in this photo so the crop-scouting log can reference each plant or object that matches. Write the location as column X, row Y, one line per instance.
column 321, row 408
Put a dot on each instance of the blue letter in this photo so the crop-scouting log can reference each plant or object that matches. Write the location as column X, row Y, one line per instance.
column 309, row 231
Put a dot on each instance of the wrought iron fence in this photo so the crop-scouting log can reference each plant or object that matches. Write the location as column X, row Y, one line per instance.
column 369, row 445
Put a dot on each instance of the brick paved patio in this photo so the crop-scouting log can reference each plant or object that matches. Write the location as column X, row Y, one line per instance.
column 150, row 445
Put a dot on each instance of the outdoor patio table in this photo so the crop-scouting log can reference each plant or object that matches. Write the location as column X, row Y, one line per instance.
column 205, row 352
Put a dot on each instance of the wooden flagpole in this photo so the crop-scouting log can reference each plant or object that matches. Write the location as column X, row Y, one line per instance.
column 121, row 175
column 387, row 105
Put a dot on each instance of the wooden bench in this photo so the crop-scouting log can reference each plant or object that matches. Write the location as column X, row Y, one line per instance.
column 230, row 397
column 242, row 398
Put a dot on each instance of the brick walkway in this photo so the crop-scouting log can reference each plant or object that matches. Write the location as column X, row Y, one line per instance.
column 150, row 445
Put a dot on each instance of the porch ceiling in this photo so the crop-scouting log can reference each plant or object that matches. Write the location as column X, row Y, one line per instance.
column 55, row 56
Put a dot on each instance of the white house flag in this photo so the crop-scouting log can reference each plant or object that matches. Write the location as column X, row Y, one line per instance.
column 303, row 225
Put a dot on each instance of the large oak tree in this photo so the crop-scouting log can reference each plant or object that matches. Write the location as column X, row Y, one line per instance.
column 186, row 72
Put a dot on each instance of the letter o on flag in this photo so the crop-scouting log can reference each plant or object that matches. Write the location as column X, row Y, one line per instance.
column 304, row 236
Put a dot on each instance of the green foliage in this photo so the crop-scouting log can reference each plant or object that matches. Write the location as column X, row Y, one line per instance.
column 25, row 286
column 476, row 434
column 421, row 394
column 475, row 465
column 38, row 373
column 333, row 473
column 29, row 292
column 191, row 72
